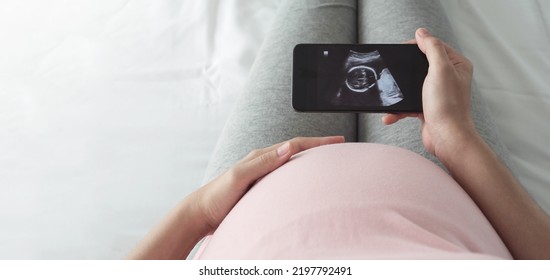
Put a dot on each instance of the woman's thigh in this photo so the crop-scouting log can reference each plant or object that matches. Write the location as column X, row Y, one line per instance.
column 263, row 114
column 396, row 21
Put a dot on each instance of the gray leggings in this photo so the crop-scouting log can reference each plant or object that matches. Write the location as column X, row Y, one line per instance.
column 263, row 114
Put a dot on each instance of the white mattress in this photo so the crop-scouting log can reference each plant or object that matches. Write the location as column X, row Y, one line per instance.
column 110, row 110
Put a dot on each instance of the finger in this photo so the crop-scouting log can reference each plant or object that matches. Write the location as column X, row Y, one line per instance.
column 256, row 153
column 388, row 119
column 412, row 41
column 300, row 144
column 247, row 172
column 434, row 49
column 269, row 159
column 449, row 54
column 298, row 140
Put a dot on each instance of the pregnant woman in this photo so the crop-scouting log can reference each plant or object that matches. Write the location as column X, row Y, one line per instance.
column 430, row 185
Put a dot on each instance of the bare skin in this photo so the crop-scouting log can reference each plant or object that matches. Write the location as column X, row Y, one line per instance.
column 447, row 131
column 203, row 210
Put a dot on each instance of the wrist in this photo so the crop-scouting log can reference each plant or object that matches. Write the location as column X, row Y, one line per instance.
column 192, row 208
column 452, row 149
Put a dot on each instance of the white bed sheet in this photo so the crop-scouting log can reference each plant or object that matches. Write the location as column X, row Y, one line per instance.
column 110, row 110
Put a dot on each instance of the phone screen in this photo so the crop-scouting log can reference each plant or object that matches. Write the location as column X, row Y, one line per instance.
column 359, row 78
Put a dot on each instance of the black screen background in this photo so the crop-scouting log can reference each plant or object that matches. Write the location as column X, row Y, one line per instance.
column 407, row 64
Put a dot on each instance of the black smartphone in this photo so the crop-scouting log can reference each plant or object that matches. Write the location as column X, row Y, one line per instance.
column 358, row 78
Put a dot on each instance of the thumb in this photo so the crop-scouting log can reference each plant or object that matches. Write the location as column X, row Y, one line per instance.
column 433, row 48
column 265, row 163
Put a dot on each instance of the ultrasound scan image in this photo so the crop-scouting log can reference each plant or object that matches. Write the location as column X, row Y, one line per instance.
column 367, row 81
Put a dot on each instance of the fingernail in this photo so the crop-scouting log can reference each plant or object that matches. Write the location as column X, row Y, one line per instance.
column 423, row 32
column 283, row 150
column 332, row 139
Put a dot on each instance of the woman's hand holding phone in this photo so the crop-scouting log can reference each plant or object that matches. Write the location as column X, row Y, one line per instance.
column 448, row 132
column 446, row 119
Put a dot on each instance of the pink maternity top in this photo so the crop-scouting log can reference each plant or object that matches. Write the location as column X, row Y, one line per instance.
column 355, row 201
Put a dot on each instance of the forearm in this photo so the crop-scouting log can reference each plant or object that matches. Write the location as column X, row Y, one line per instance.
column 175, row 236
column 520, row 222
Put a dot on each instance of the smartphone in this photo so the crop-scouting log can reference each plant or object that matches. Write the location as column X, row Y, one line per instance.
column 358, row 78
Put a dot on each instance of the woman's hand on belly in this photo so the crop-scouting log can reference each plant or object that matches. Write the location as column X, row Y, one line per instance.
column 218, row 197
column 203, row 210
